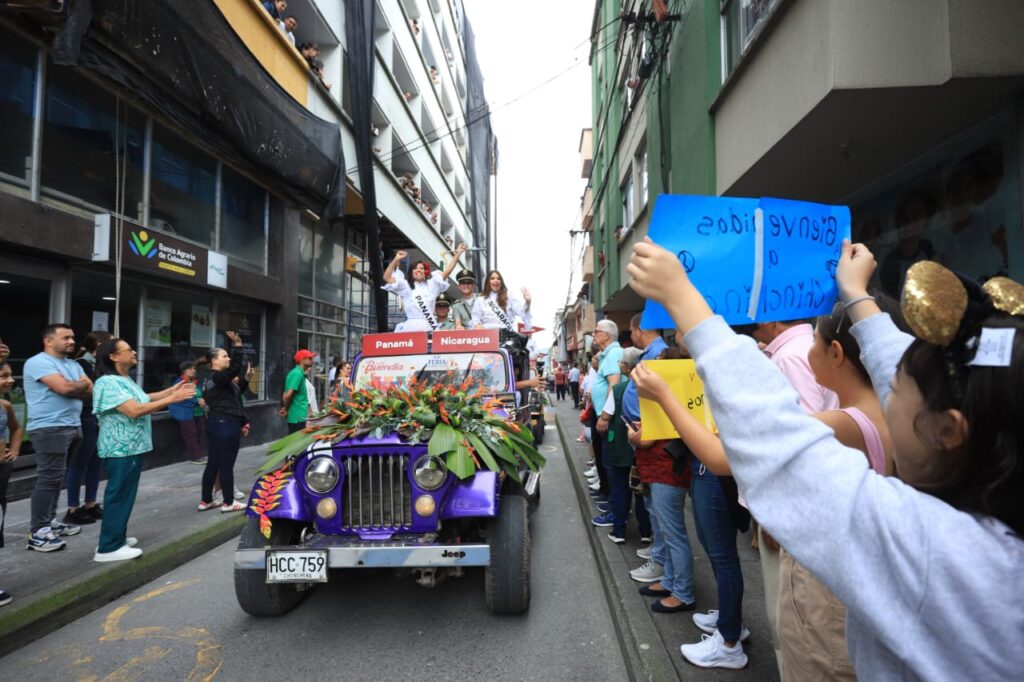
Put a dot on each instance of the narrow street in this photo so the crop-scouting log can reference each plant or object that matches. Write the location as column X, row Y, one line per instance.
column 360, row 626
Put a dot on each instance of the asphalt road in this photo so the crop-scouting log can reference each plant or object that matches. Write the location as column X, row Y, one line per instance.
column 367, row 626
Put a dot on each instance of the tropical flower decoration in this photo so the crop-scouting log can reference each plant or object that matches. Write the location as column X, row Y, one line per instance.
column 468, row 429
column 268, row 495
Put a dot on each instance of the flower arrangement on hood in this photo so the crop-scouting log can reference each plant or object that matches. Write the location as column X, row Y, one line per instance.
column 469, row 430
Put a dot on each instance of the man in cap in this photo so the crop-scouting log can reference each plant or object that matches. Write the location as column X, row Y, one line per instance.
column 442, row 312
column 463, row 308
column 295, row 401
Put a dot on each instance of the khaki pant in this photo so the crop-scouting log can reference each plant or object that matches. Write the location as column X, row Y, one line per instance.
column 770, row 575
column 812, row 627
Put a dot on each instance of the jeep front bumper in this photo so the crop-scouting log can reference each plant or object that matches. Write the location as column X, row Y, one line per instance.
column 344, row 552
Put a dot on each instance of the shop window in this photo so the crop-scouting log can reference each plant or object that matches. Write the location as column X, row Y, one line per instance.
column 243, row 221
column 92, row 306
column 17, row 105
column 26, row 310
column 176, row 326
column 958, row 204
column 183, row 188
column 90, row 142
column 328, row 264
column 247, row 320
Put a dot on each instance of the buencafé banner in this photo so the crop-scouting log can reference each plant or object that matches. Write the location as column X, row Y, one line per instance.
column 152, row 251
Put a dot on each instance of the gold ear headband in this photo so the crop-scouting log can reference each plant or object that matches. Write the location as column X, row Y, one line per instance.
column 935, row 300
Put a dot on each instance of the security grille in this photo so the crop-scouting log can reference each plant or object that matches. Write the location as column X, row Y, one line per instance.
column 377, row 492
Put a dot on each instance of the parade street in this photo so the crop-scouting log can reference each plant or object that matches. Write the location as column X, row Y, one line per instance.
column 360, row 626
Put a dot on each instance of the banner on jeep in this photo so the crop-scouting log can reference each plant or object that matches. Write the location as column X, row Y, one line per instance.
column 398, row 343
column 465, row 340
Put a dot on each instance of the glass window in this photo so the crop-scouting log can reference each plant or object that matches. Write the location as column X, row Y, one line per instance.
column 176, row 326
column 306, row 243
column 328, row 265
column 247, row 320
column 643, row 178
column 92, row 305
column 628, row 209
column 243, row 221
column 17, row 105
column 182, row 197
column 26, row 310
column 958, row 204
column 84, row 140
column 742, row 19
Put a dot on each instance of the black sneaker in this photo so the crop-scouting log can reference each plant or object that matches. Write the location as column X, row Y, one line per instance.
column 5, row 598
column 79, row 517
column 64, row 529
column 95, row 511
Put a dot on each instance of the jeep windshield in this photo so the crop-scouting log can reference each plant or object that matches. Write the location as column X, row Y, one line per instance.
column 488, row 369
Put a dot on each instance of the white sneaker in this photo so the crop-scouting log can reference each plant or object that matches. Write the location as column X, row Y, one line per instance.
column 595, row 484
column 239, row 495
column 708, row 622
column 591, row 472
column 122, row 554
column 648, row 573
column 644, row 552
column 131, row 542
column 711, row 652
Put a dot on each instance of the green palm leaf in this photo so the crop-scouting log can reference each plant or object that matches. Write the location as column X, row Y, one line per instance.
column 444, row 439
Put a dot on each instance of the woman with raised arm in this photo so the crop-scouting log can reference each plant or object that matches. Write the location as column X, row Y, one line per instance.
column 226, row 423
column 125, row 435
column 418, row 299
column 496, row 308
column 928, row 562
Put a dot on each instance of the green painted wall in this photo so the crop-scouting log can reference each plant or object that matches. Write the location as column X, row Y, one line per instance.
column 680, row 128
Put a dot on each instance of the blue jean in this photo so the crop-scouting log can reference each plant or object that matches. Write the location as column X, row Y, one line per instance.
column 223, row 438
column 716, row 531
column 658, row 543
column 619, row 495
column 84, row 466
column 669, row 508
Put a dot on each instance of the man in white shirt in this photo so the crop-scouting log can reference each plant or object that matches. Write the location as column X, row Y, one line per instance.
column 574, row 386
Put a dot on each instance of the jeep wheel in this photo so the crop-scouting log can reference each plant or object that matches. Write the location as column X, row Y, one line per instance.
column 507, row 579
column 255, row 596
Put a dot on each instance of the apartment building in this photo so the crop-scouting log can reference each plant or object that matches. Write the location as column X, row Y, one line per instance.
column 908, row 112
column 194, row 143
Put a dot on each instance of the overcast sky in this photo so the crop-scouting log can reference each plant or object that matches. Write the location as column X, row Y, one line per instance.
column 520, row 45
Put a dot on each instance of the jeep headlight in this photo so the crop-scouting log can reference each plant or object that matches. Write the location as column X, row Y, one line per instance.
column 429, row 472
column 322, row 474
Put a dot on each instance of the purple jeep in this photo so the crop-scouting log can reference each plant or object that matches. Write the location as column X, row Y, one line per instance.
column 378, row 501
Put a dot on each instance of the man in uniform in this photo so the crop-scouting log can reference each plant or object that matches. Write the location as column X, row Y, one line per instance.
column 463, row 308
column 442, row 312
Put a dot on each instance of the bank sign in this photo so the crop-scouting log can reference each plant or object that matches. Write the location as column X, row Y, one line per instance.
column 156, row 252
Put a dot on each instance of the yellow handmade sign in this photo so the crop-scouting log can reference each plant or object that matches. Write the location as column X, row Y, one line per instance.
column 682, row 378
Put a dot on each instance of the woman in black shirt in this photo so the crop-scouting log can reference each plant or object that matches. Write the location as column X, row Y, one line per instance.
column 226, row 422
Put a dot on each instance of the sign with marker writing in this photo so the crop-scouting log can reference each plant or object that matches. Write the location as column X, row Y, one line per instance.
column 688, row 389
column 753, row 260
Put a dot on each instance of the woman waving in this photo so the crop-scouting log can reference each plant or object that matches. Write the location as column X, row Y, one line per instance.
column 495, row 308
column 418, row 299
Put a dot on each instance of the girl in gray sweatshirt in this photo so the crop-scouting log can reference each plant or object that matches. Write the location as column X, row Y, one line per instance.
column 930, row 563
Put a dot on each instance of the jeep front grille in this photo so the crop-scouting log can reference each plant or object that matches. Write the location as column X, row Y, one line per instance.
column 377, row 494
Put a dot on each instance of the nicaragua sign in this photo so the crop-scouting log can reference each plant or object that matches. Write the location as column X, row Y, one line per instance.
column 161, row 254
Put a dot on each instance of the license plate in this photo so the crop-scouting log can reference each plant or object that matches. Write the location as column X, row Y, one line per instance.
column 302, row 566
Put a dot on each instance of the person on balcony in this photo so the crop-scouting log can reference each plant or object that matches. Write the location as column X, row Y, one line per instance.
column 418, row 299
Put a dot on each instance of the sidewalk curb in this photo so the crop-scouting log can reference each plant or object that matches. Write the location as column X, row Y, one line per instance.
column 36, row 618
column 653, row 662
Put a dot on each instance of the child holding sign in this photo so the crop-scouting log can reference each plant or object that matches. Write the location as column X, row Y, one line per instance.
column 928, row 561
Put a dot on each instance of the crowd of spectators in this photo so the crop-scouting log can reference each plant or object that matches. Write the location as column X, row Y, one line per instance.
column 409, row 185
column 287, row 24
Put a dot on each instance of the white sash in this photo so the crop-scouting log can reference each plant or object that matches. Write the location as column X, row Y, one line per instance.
column 500, row 314
column 422, row 306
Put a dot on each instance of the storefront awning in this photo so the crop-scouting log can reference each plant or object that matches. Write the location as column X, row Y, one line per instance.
column 184, row 62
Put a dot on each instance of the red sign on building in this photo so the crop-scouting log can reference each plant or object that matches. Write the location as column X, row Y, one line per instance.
column 468, row 340
column 398, row 343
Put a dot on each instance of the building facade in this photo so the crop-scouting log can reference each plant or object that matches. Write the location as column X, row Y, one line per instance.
column 909, row 113
column 169, row 200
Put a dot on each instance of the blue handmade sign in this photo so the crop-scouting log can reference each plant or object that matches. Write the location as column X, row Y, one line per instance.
column 754, row 260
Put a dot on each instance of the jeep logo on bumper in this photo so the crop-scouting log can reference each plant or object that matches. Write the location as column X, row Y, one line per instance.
column 451, row 554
